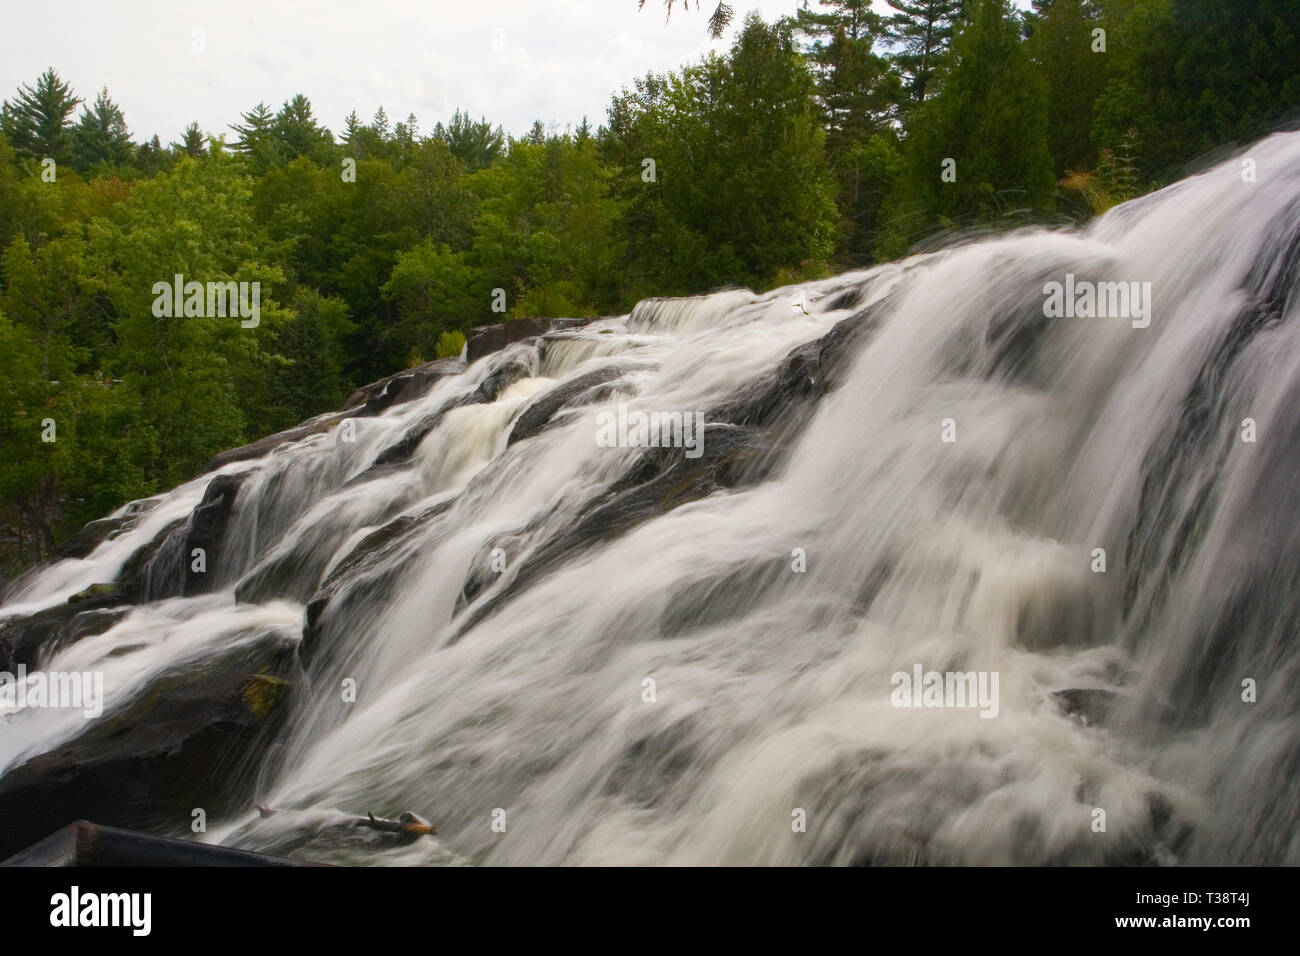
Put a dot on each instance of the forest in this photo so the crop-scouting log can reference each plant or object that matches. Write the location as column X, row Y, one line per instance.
column 841, row 136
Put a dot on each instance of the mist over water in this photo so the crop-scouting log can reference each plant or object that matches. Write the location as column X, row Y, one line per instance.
column 524, row 689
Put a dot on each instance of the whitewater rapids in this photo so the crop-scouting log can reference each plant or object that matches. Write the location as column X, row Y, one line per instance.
column 680, row 692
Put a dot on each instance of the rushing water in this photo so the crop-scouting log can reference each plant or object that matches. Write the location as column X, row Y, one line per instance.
column 772, row 698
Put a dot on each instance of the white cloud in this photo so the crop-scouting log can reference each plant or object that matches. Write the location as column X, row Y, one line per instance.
column 512, row 61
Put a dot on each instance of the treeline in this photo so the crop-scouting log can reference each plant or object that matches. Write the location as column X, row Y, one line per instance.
column 829, row 140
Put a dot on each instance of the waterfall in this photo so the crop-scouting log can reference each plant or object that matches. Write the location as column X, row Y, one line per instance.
column 563, row 652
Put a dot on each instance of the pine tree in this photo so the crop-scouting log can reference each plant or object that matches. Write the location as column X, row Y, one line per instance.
column 194, row 143
column 1061, row 44
column 476, row 144
column 987, row 126
column 853, row 84
column 258, row 141
column 857, row 92
column 100, row 135
column 36, row 122
column 256, row 128
column 719, row 20
column 351, row 129
column 151, row 157
column 921, row 32
column 379, row 124
column 298, row 133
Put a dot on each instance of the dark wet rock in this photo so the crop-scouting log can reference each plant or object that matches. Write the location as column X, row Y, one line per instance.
column 366, row 576
column 281, row 576
column 744, row 437
column 490, row 563
column 90, row 537
column 84, row 624
column 1088, row 705
column 265, row 445
column 97, row 595
column 661, row 480
column 190, row 739
column 95, row 533
column 402, row 449
column 135, row 577
column 294, row 570
column 806, row 374
column 165, row 566
column 486, row 339
column 28, row 639
column 207, row 528
column 424, row 377
column 796, row 380
column 577, row 391
column 404, row 386
column 846, row 298
column 499, row 380
column 488, row 391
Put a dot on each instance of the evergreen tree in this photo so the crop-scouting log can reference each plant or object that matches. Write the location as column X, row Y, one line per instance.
column 921, row 32
column 1062, row 44
column 1191, row 75
column 741, row 190
column 857, row 92
column 194, row 142
column 977, row 152
column 475, row 144
column 719, row 20
column 298, row 134
column 351, row 130
column 257, row 138
column 101, row 136
column 379, row 125
column 36, row 123
column 151, row 157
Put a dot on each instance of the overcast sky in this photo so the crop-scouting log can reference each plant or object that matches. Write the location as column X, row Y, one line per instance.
column 513, row 61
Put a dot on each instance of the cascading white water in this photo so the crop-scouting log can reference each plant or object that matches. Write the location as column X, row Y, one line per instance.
column 947, row 497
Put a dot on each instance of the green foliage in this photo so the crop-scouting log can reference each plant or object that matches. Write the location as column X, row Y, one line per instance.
column 435, row 290
column 36, row 121
column 450, row 345
column 742, row 186
column 1194, row 74
column 198, row 379
column 986, row 128
column 310, row 372
column 100, row 137
column 813, row 143
column 477, row 145
column 719, row 20
column 1075, row 69
column 920, row 32
column 857, row 91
